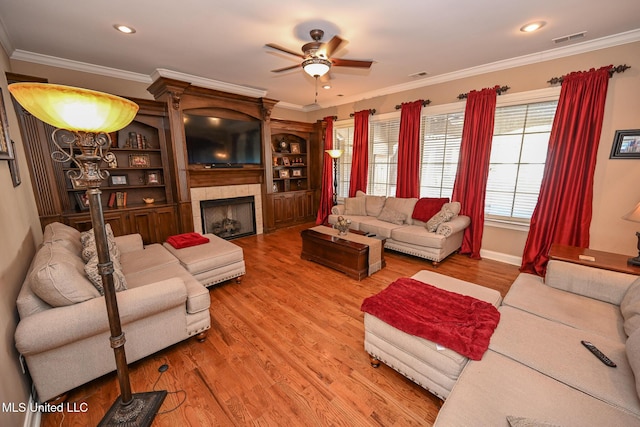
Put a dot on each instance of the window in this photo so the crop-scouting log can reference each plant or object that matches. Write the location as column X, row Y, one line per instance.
column 343, row 139
column 518, row 154
column 383, row 157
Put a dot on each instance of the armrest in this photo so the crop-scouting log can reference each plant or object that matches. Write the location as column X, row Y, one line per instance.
column 596, row 283
column 338, row 210
column 129, row 243
column 59, row 326
column 457, row 224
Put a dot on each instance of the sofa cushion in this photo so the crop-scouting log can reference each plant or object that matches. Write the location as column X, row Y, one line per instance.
column 527, row 422
column 630, row 308
column 427, row 207
column 391, row 215
column 402, row 205
column 88, row 240
column 418, row 236
column 554, row 349
column 93, row 273
column 633, row 355
column 64, row 235
column 373, row 204
column 58, row 276
column 529, row 293
column 446, row 213
column 142, row 261
column 379, row 228
column 355, row 206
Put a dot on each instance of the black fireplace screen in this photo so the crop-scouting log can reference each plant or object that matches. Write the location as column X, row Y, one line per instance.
column 229, row 218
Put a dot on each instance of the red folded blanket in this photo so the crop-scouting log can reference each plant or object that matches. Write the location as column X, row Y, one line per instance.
column 185, row 240
column 458, row 322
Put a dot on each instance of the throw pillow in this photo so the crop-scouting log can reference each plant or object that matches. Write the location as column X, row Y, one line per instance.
column 93, row 273
column 447, row 213
column 630, row 308
column 427, row 207
column 57, row 277
column 391, row 215
column 633, row 355
column 374, row 204
column 89, row 249
column 527, row 422
column 402, row 205
column 444, row 229
column 355, row 206
column 62, row 234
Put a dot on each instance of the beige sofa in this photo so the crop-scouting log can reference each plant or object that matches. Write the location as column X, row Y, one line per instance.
column 393, row 219
column 536, row 370
column 63, row 332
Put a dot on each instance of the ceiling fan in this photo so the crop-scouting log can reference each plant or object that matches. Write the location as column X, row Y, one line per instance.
column 316, row 56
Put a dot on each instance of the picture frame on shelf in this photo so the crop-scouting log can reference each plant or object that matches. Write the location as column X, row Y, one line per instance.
column 296, row 172
column 118, row 180
column 284, row 173
column 139, row 161
column 76, row 185
column 626, row 144
column 153, row 178
column 286, row 161
column 113, row 136
column 6, row 149
column 83, row 201
column 294, row 147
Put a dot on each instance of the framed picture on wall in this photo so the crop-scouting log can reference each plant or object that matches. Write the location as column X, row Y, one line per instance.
column 626, row 144
column 6, row 149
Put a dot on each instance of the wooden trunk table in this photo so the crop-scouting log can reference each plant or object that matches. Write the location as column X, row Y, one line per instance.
column 340, row 254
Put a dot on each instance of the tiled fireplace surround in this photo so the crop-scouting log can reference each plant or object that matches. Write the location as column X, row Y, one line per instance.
column 226, row 192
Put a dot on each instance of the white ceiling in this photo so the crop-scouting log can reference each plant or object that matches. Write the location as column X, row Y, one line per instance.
column 223, row 40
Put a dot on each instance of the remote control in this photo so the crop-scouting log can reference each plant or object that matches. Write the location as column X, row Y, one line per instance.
column 593, row 349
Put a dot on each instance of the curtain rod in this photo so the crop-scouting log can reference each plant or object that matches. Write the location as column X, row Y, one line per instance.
column 424, row 104
column 618, row 69
column 499, row 91
column 371, row 111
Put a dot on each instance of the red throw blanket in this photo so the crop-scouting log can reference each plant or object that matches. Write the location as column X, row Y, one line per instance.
column 185, row 240
column 458, row 322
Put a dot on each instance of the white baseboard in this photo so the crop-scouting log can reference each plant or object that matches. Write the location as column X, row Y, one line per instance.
column 499, row 256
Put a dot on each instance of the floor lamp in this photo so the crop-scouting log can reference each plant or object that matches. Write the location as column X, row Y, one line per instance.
column 335, row 155
column 83, row 119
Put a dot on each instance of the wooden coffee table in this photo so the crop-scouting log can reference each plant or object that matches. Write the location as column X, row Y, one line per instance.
column 340, row 254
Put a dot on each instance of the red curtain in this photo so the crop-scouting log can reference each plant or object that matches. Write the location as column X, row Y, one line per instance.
column 326, row 194
column 563, row 212
column 473, row 165
column 408, row 183
column 360, row 160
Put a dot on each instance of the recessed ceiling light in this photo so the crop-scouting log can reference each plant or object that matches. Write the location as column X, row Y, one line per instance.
column 326, row 86
column 532, row 26
column 124, row 29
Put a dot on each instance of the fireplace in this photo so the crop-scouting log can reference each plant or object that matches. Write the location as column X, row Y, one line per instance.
column 229, row 218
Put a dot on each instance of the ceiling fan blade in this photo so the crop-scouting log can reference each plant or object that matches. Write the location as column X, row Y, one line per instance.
column 332, row 45
column 351, row 63
column 285, row 50
column 291, row 67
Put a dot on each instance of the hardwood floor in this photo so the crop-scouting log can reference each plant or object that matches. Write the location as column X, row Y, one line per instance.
column 285, row 348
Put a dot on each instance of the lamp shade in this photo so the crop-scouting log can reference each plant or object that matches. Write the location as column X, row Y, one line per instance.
column 334, row 154
column 316, row 67
column 634, row 215
column 74, row 109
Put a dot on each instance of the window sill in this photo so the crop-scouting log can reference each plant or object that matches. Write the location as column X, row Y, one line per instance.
column 507, row 224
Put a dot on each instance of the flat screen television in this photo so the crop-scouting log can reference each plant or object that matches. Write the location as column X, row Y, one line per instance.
column 216, row 141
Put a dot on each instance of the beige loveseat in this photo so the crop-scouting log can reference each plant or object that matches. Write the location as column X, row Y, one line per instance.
column 395, row 219
column 536, row 371
column 63, row 332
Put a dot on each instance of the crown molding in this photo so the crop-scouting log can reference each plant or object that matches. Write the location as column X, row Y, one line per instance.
column 208, row 83
column 38, row 58
column 547, row 55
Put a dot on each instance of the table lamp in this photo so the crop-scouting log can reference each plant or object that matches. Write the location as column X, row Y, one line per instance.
column 335, row 155
column 83, row 119
column 634, row 216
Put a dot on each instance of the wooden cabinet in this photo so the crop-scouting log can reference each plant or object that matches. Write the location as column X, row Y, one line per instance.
column 291, row 208
column 140, row 170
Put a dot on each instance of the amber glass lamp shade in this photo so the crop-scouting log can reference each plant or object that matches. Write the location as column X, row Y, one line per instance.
column 74, row 109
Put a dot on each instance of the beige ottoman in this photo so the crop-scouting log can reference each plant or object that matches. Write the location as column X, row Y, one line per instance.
column 422, row 361
column 216, row 261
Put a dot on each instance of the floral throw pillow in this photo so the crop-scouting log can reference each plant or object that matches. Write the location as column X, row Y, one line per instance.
column 447, row 213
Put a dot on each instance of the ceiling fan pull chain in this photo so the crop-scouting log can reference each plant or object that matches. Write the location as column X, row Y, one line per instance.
column 315, row 101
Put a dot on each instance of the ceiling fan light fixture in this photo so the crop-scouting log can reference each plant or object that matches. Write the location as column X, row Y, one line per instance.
column 316, row 67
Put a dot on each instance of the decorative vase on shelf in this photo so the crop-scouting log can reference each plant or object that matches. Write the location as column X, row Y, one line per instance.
column 342, row 225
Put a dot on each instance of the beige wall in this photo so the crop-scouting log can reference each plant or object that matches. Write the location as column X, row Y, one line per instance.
column 615, row 192
column 20, row 231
